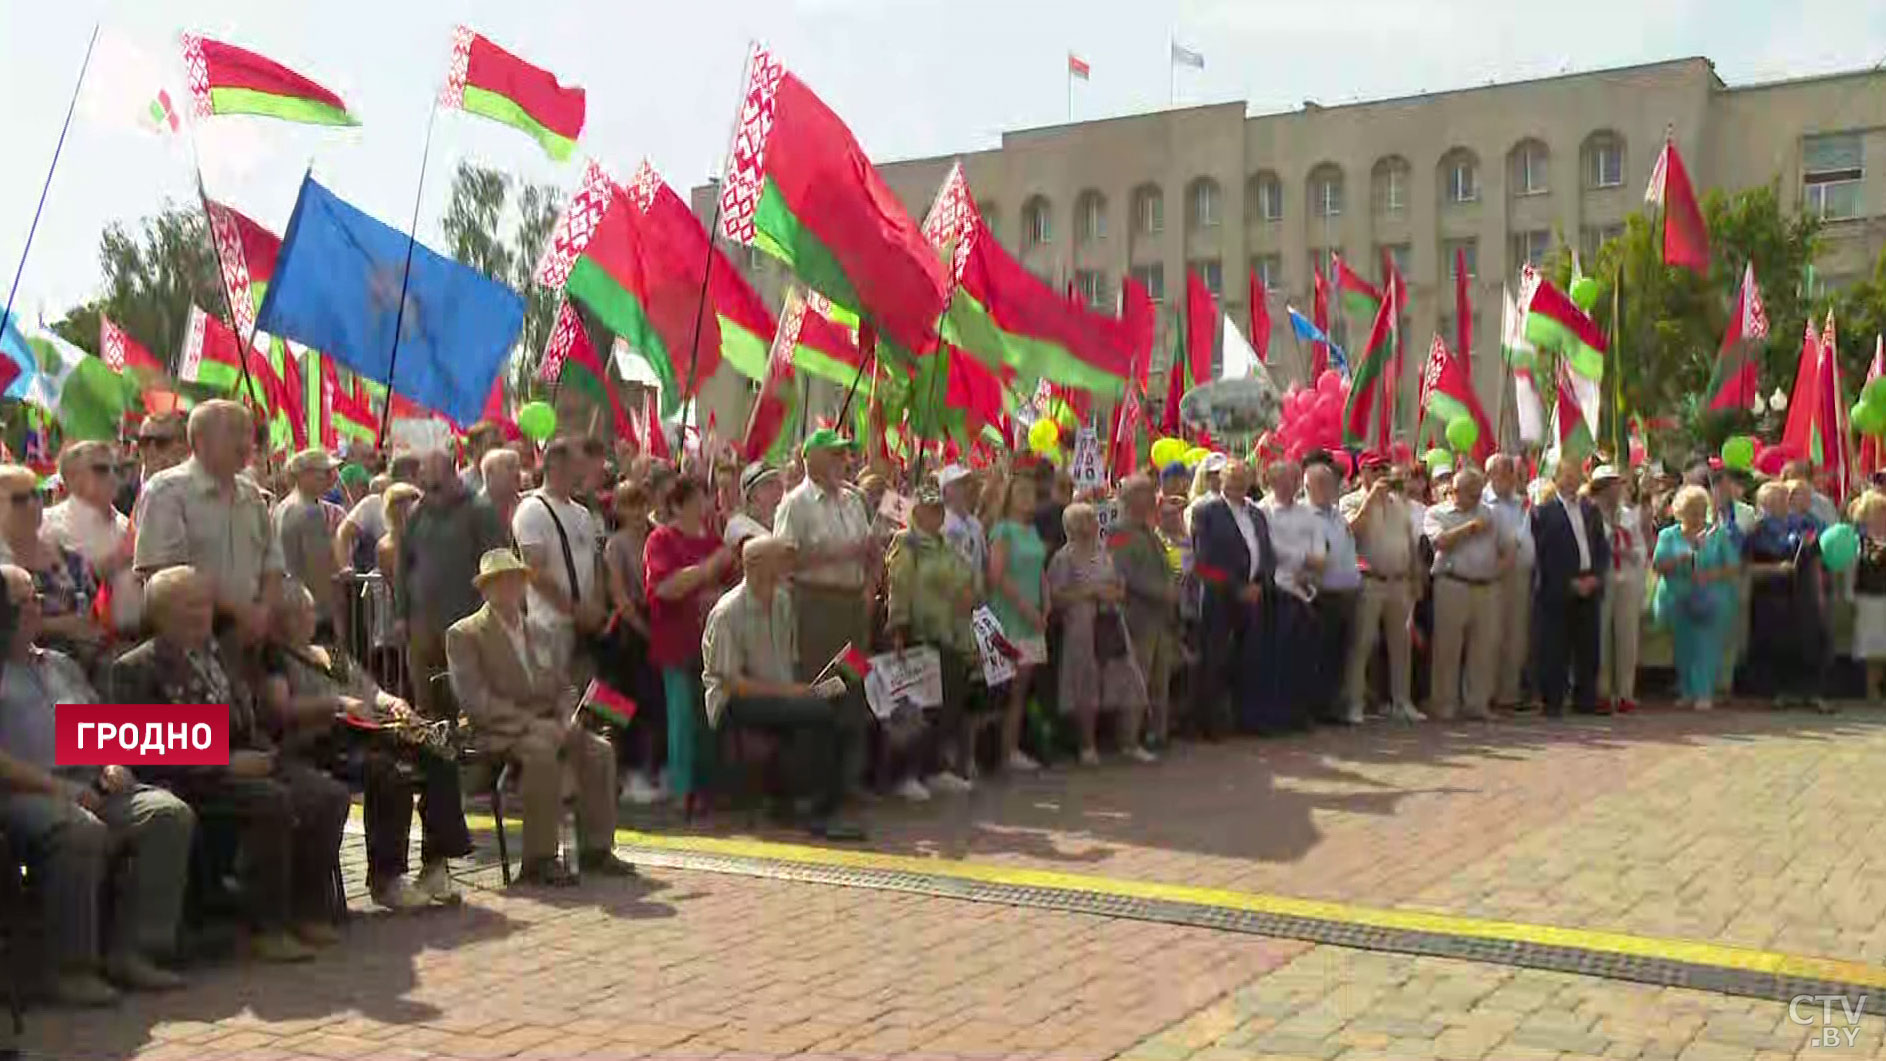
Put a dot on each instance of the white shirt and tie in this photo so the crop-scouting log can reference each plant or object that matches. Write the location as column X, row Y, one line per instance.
column 1576, row 515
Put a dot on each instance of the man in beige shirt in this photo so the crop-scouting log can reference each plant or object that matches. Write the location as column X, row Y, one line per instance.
column 204, row 514
column 1386, row 547
column 836, row 572
column 1471, row 553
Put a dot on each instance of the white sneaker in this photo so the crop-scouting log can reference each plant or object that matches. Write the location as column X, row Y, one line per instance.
column 435, row 883
column 949, row 783
column 400, row 896
column 1353, row 716
column 1140, row 754
column 1407, row 713
column 1019, row 762
column 1090, row 757
column 912, row 789
column 637, row 789
column 1705, row 704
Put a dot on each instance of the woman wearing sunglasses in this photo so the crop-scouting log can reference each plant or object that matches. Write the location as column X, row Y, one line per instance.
column 67, row 587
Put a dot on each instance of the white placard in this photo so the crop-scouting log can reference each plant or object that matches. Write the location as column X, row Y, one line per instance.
column 1086, row 468
column 1108, row 514
column 912, row 678
column 997, row 669
column 895, row 508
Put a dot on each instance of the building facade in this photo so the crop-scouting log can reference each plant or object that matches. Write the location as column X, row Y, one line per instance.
column 1496, row 175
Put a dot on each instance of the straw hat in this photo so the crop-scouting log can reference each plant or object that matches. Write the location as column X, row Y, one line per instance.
column 498, row 562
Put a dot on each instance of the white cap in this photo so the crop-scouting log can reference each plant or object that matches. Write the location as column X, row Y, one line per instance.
column 950, row 473
column 1215, row 462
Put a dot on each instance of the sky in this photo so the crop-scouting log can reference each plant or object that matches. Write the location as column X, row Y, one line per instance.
column 911, row 77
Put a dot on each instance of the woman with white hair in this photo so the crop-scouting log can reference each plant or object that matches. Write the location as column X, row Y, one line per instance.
column 1096, row 667
column 1698, row 563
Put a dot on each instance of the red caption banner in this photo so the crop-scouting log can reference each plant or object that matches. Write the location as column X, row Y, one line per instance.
column 142, row 735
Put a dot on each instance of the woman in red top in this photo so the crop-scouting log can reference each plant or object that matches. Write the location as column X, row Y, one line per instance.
column 686, row 568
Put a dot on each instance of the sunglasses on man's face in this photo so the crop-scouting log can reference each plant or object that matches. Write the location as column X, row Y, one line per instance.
column 157, row 441
column 104, row 468
column 24, row 497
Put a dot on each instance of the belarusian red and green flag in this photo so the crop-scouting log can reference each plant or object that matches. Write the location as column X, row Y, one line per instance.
column 1817, row 413
column 1523, row 359
column 637, row 257
column 225, row 79
column 1733, row 383
column 1362, row 417
column 1011, row 320
column 774, row 405
column 570, row 360
column 800, row 188
column 245, row 254
column 1446, row 395
column 603, row 701
column 1685, row 236
column 486, row 80
column 124, row 354
column 1575, row 424
column 1358, row 295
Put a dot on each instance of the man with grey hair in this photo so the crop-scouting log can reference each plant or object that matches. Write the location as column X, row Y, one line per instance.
column 502, row 471
column 432, row 584
column 1471, row 549
column 1338, row 585
column 1386, row 532
column 1507, row 502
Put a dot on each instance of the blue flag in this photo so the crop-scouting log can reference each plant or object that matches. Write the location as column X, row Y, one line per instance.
column 13, row 345
column 1310, row 333
column 337, row 288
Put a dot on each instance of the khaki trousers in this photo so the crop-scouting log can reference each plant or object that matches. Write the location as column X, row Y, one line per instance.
column 544, row 753
column 1514, row 634
column 1156, row 651
column 1466, row 623
column 1619, row 625
column 1384, row 608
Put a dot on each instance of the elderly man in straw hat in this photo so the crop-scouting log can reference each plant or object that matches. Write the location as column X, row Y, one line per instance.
column 512, row 689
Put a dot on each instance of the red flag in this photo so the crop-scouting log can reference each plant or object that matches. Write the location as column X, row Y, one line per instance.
column 1138, row 321
column 1260, row 318
column 606, row 703
column 1175, row 390
column 1201, row 322
column 1804, row 403
column 975, row 389
column 1836, row 447
column 1685, row 236
column 1447, row 392
column 768, row 414
column 1463, row 312
column 1319, row 316
column 122, row 352
column 1735, row 377
column 654, row 435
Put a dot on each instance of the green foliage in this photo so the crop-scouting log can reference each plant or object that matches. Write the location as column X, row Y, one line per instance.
column 499, row 226
column 153, row 275
column 1860, row 316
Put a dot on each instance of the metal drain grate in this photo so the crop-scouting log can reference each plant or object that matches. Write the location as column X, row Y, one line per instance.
column 1664, row 972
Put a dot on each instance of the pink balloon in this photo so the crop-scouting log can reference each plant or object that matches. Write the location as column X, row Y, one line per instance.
column 1637, row 453
column 1330, row 382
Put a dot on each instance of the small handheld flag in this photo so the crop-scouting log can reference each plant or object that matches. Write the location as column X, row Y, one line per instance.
column 852, row 663
column 607, row 704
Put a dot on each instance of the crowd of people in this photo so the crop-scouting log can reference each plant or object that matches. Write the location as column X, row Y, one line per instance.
column 379, row 624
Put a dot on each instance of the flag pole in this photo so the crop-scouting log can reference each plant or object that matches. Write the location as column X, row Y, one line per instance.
column 405, row 277
column 222, row 287
column 58, row 148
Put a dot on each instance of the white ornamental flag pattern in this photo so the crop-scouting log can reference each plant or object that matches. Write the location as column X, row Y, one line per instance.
column 235, row 267
column 191, row 357
column 562, row 338
column 746, row 163
column 953, row 219
column 111, row 344
column 1754, row 314
column 452, row 96
column 196, row 71
column 643, row 187
column 577, row 226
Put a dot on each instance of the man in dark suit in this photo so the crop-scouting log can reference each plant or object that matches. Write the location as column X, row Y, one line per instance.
column 1231, row 554
column 1571, row 556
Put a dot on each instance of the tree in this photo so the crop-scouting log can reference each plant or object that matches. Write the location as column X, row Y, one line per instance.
column 502, row 235
column 1860, row 316
column 152, row 278
column 1673, row 320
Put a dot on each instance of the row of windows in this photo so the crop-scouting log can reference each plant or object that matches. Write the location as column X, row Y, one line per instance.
column 1459, row 174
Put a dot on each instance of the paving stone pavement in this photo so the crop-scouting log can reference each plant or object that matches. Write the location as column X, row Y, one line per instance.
column 1745, row 828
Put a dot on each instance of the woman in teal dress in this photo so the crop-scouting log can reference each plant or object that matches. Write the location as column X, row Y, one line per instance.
column 1697, row 565
column 1018, row 562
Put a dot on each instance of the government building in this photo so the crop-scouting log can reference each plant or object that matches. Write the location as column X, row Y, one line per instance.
column 1502, row 174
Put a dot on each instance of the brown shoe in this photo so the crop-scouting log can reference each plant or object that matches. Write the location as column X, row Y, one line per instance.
column 279, row 948
column 545, row 873
column 85, row 990
column 134, row 972
column 317, row 934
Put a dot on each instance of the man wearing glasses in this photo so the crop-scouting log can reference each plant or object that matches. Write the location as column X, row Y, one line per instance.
column 160, row 445
column 86, row 523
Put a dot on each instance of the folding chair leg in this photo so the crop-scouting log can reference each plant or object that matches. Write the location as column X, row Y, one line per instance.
column 497, row 813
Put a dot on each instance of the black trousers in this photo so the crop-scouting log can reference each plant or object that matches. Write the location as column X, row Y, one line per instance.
column 1565, row 649
column 1227, row 628
column 1287, row 686
column 1335, row 629
column 824, row 739
column 288, row 828
column 394, row 777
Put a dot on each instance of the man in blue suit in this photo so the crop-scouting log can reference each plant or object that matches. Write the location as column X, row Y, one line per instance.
column 1571, row 556
column 1232, row 557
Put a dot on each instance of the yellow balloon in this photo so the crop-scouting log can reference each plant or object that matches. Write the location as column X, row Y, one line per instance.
column 1043, row 436
column 1194, row 455
column 1167, row 450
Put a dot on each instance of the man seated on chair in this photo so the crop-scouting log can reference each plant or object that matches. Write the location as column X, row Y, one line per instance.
column 750, row 653
column 288, row 815
column 72, row 823
column 520, row 709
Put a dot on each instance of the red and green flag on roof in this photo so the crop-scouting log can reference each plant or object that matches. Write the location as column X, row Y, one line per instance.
column 225, row 79
column 636, row 257
column 570, row 360
column 1733, row 383
column 486, row 80
column 799, row 187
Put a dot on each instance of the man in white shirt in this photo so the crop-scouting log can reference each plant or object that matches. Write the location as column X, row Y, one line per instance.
column 1337, row 590
column 359, row 535
column 1299, row 541
column 559, row 540
column 1387, row 549
column 961, row 529
column 1470, row 551
column 86, row 523
column 1623, row 610
column 838, row 564
column 1509, row 509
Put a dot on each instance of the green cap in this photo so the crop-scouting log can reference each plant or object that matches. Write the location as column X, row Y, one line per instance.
column 354, row 475
column 824, row 438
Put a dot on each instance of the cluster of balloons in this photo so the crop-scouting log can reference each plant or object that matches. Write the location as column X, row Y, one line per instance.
column 1744, row 453
column 1169, row 451
column 1869, row 416
column 1312, row 416
column 537, row 421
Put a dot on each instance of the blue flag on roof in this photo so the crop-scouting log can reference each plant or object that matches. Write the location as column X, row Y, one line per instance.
column 337, row 288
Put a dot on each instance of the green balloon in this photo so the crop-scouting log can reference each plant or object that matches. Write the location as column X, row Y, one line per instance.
column 1739, row 452
column 537, row 420
column 1839, row 547
column 1869, row 419
column 1437, row 458
column 1874, row 393
column 1584, row 293
column 1462, row 433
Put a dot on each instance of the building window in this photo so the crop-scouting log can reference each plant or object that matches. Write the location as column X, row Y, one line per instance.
column 1460, row 177
column 1399, row 253
column 1037, row 230
column 1269, row 269
column 1203, row 203
column 1092, row 285
column 1265, row 197
column 1604, row 161
column 1532, row 247
column 1592, row 238
column 1090, row 217
column 1390, row 191
column 991, row 218
column 1531, row 169
column 1153, row 279
column 1149, row 211
column 1831, row 172
column 1210, row 271
column 1326, row 191
column 1452, row 252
